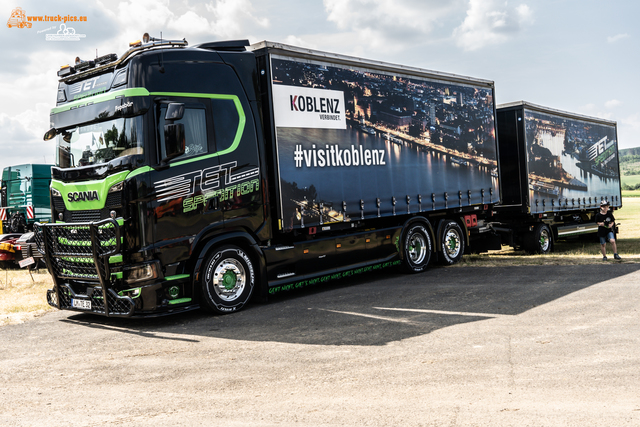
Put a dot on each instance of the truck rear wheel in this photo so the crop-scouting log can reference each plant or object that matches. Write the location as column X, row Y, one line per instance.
column 229, row 279
column 451, row 243
column 17, row 223
column 539, row 240
column 416, row 248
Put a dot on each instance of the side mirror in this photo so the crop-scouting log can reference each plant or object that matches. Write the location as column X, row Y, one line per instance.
column 50, row 134
column 175, row 111
column 174, row 141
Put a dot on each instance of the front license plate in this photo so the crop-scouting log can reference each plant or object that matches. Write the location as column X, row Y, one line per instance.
column 83, row 304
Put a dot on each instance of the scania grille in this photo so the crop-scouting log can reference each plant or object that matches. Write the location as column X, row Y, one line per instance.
column 84, row 216
column 78, row 250
column 113, row 203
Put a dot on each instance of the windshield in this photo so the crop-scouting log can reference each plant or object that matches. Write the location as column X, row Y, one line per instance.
column 99, row 142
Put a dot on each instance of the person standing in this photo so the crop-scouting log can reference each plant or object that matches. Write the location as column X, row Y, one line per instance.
column 606, row 230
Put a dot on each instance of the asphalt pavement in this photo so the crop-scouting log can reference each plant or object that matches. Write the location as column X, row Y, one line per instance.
column 508, row 346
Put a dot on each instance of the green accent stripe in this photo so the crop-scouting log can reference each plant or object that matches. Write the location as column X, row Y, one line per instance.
column 103, row 97
column 102, row 186
column 180, row 301
column 242, row 119
column 137, row 290
column 241, row 123
column 78, row 260
column 87, row 243
column 178, row 277
column 115, row 259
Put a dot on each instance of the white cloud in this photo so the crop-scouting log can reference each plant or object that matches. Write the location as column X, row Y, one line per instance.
column 628, row 131
column 190, row 23
column 233, row 18
column 389, row 24
column 23, row 134
column 297, row 41
column 141, row 14
column 617, row 37
column 612, row 104
column 491, row 22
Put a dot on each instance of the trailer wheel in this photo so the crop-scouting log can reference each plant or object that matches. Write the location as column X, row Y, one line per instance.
column 539, row 240
column 228, row 281
column 17, row 223
column 451, row 243
column 416, row 248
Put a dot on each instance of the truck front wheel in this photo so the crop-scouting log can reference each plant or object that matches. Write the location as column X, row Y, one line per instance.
column 229, row 279
column 451, row 243
column 539, row 240
column 416, row 248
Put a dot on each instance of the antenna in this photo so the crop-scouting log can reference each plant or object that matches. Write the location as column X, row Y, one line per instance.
column 161, row 55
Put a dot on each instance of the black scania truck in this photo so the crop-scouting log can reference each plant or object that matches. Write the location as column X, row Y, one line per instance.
column 198, row 176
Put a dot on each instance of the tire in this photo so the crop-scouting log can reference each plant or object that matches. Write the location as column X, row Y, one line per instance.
column 228, row 280
column 452, row 243
column 539, row 241
column 17, row 223
column 416, row 248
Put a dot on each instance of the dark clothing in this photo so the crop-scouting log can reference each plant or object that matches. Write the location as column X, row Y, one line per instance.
column 607, row 219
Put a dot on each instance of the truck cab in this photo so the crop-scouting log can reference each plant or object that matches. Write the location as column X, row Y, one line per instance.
column 156, row 155
column 24, row 197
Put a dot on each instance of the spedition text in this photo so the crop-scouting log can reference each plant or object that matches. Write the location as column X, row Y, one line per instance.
column 334, row 156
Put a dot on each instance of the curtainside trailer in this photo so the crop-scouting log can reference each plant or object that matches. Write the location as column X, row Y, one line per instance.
column 555, row 169
column 198, row 176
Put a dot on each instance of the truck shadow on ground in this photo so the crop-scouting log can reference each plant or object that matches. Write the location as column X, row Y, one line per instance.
column 377, row 309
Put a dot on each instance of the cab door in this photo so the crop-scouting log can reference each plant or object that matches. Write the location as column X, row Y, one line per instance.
column 237, row 147
column 188, row 188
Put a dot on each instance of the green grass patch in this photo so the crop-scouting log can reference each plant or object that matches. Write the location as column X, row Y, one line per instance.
column 630, row 180
column 576, row 251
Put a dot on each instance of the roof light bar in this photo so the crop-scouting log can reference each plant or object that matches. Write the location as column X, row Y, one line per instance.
column 66, row 70
column 84, row 65
column 105, row 59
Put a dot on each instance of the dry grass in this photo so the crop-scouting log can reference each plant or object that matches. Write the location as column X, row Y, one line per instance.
column 22, row 298
column 574, row 252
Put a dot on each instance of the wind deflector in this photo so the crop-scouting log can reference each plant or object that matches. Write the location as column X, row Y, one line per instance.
column 227, row 45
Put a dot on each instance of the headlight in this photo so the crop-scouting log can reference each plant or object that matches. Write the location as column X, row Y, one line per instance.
column 117, row 187
column 141, row 273
column 55, row 192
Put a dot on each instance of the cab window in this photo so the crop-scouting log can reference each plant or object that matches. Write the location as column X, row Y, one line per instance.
column 195, row 129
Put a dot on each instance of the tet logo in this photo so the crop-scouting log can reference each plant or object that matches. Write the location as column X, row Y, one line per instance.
column 18, row 19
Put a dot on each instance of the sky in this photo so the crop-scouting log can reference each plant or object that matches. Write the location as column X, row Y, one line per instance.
column 579, row 56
